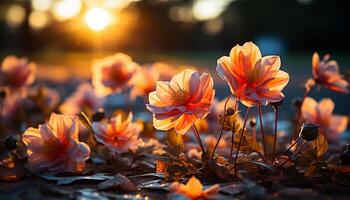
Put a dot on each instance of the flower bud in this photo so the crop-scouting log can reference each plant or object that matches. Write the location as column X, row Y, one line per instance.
column 345, row 157
column 309, row 132
column 252, row 122
column 2, row 94
column 230, row 111
column 276, row 104
column 297, row 102
column 10, row 143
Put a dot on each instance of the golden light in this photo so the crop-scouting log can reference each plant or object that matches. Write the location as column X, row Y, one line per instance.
column 15, row 15
column 209, row 9
column 41, row 5
column 66, row 9
column 38, row 19
column 97, row 19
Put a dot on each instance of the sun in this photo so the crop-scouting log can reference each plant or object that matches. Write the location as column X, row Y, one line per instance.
column 97, row 19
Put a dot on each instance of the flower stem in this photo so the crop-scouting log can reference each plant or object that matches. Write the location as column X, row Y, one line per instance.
column 232, row 140
column 290, row 157
column 275, row 139
column 195, row 131
column 1, row 110
column 262, row 130
column 241, row 137
column 292, row 145
column 222, row 126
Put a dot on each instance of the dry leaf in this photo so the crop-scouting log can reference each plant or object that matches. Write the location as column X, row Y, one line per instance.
column 117, row 182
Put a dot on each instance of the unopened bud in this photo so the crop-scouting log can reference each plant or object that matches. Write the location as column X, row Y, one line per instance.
column 230, row 111
column 309, row 132
column 2, row 94
column 10, row 143
column 297, row 102
column 252, row 122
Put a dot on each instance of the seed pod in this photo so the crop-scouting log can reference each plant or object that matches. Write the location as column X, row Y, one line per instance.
column 10, row 143
column 309, row 132
column 276, row 104
column 230, row 111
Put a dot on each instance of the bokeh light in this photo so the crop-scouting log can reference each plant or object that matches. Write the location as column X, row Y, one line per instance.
column 38, row 20
column 15, row 15
column 66, row 9
column 97, row 19
column 41, row 5
column 209, row 9
column 213, row 27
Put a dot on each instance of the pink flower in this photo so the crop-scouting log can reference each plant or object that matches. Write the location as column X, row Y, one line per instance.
column 144, row 82
column 17, row 73
column 12, row 106
column 83, row 98
column 326, row 73
column 253, row 79
column 113, row 73
column 54, row 147
column 321, row 114
column 178, row 104
column 118, row 135
column 193, row 190
column 45, row 97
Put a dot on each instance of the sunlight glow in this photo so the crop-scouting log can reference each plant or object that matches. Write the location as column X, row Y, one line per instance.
column 66, row 9
column 15, row 15
column 41, row 5
column 97, row 19
column 209, row 9
column 38, row 19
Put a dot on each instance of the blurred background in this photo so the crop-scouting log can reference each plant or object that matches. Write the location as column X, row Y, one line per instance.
column 63, row 36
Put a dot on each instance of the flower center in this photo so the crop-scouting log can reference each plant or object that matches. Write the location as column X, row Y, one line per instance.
column 253, row 75
column 179, row 96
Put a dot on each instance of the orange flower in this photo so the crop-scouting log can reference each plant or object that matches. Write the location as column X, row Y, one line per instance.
column 326, row 73
column 112, row 74
column 178, row 104
column 194, row 189
column 17, row 73
column 253, row 79
column 321, row 114
column 84, row 98
column 118, row 135
column 54, row 147
column 144, row 82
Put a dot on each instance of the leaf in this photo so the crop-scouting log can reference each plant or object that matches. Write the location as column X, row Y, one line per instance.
column 262, row 165
column 232, row 122
column 175, row 140
column 232, row 189
column 117, row 182
column 248, row 145
column 61, row 180
column 321, row 145
column 154, row 184
column 160, row 166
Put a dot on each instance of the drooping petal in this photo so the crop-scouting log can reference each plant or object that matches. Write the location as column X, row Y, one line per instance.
column 309, row 110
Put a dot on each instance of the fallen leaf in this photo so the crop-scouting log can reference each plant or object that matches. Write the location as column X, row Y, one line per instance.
column 117, row 182
column 60, row 180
